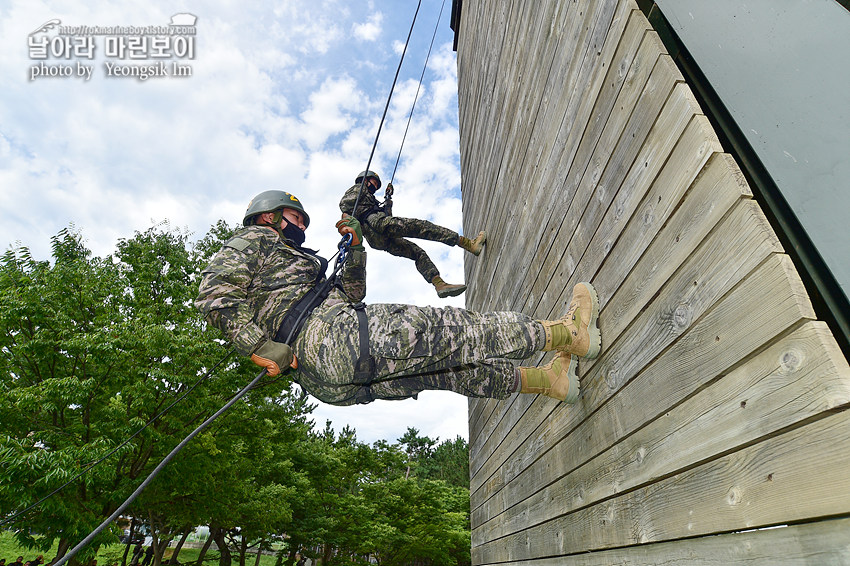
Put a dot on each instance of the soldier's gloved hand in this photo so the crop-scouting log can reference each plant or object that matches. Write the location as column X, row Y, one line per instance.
column 388, row 193
column 350, row 225
column 273, row 356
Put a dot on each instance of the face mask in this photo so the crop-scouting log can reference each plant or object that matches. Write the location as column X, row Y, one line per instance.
column 294, row 233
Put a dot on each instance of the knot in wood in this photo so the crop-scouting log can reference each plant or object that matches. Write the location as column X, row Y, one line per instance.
column 791, row 361
column 601, row 193
column 619, row 209
column 612, row 377
column 734, row 495
column 682, row 317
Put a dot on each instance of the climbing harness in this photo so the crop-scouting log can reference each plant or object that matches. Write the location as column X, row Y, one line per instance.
column 364, row 371
column 298, row 313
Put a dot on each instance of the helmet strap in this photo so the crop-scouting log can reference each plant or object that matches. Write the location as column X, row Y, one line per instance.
column 278, row 216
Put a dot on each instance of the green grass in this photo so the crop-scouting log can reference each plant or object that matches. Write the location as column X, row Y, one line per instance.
column 10, row 549
column 108, row 555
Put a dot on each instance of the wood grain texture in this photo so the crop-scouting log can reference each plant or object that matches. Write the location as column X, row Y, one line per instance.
column 796, row 379
column 693, row 147
column 718, row 401
column 823, row 543
column 594, row 47
column 788, row 478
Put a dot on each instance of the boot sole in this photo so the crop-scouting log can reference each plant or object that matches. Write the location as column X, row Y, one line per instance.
column 592, row 327
column 451, row 292
column 481, row 245
column 572, row 395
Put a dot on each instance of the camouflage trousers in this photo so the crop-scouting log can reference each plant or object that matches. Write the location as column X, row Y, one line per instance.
column 414, row 348
column 388, row 233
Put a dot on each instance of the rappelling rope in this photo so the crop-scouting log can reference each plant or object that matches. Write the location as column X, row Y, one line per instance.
column 71, row 553
column 117, row 448
column 386, row 107
column 418, row 87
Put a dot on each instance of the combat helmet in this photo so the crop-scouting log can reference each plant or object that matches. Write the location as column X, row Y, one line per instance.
column 368, row 173
column 269, row 201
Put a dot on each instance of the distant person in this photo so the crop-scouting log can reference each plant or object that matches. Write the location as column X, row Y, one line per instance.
column 386, row 232
column 347, row 352
column 148, row 556
column 18, row 562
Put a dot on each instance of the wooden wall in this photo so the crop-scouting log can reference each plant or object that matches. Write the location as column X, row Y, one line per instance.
column 717, row 404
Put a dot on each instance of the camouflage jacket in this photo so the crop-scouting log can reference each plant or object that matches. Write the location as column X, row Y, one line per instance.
column 368, row 203
column 257, row 276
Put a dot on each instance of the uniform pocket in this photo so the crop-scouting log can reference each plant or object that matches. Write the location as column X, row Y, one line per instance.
column 400, row 331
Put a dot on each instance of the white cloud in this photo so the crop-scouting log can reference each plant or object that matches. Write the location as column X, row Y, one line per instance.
column 369, row 30
column 277, row 99
column 329, row 110
column 398, row 47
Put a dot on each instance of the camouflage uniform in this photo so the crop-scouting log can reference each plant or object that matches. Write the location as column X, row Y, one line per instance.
column 386, row 232
column 257, row 276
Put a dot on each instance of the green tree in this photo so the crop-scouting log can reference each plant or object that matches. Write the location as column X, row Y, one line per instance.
column 450, row 462
column 90, row 350
column 447, row 461
column 416, row 521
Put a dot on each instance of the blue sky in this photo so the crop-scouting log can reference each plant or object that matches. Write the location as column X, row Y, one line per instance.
column 285, row 95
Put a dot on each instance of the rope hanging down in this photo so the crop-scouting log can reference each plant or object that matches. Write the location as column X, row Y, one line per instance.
column 340, row 262
column 418, row 87
column 344, row 245
column 71, row 553
column 386, row 107
column 153, row 419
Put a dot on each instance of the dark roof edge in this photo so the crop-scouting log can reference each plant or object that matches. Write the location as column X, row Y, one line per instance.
column 454, row 23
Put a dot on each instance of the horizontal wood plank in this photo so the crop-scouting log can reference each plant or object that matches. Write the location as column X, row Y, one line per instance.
column 789, row 478
column 619, row 407
column 798, row 378
column 823, row 543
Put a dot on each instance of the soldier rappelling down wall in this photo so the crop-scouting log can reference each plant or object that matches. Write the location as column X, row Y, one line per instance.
column 347, row 352
column 386, row 232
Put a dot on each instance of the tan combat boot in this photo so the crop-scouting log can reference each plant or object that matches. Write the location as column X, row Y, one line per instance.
column 557, row 379
column 446, row 289
column 473, row 246
column 577, row 332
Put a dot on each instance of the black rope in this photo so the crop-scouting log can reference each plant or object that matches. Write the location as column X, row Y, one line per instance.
column 344, row 245
column 71, row 553
column 386, row 107
column 117, row 448
column 419, row 86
